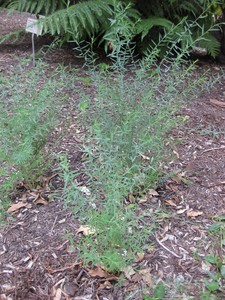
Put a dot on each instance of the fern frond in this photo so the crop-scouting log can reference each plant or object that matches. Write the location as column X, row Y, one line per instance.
column 146, row 25
column 211, row 44
column 44, row 7
column 82, row 19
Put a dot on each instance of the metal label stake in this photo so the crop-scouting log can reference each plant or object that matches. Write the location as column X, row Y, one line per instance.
column 33, row 50
column 33, row 26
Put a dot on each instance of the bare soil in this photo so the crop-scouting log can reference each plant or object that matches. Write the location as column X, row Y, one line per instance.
column 38, row 259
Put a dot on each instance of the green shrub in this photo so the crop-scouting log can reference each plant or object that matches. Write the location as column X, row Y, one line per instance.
column 30, row 102
column 127, row 118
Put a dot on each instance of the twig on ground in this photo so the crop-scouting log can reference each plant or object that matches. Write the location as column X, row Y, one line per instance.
column 211, row 149
column 170, row 251
column 81, row 273
column 62, row 269
column 53, row 225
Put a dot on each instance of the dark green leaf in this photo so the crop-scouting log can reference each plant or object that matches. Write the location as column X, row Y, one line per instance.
column 159, row 291
column 211, row 259
column 212, row 286
column 222, row 271
column 220, row 218
column 215, row 228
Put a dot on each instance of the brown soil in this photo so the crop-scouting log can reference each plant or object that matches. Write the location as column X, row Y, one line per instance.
column 38, row 259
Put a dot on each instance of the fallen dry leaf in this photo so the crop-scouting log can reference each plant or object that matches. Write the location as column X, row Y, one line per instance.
column 86, row 191
column 140, row 257
column 16, row 207
column 136, row 278
column 170, row 202
column 176, row 179
column 98, row 272
column 146, row 276
column 86, row 230
column 86, row 297
column 145, row 157
column 131, row 198
column 217, row 102
column 143, row 200
column 128, row 272
column 148, row 196
column 165, row 230
column 152, row 192
column 106, row 285
column 176, row 153
column 58, row 294
column 181, row 211
column 41, row 201
column 194, row 213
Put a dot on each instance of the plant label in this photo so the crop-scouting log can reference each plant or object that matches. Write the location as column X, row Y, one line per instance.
column 33, row 26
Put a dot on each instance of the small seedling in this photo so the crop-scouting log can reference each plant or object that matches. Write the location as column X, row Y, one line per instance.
column 159, row 293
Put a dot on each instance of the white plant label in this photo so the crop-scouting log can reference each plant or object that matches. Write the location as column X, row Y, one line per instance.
column 33, row 26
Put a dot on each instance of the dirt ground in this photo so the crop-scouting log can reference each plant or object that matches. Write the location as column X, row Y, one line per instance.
column 36, row 257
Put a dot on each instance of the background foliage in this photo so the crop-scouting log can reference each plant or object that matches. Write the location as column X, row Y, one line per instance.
column 81, row 20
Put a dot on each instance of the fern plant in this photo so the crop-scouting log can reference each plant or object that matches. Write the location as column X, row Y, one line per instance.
column 80, row 20
column 37, row 7
column 185, row 14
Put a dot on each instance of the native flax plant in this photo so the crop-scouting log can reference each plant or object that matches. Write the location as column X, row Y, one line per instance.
column 29, row 104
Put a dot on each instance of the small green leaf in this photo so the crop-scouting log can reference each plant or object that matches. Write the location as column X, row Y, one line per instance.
column 83, row 105
column 211, row 259
column 222, row 271
column 215, row 228
column 208, row 296
column 146, row 297
column 212, row 275
column 218, row 276
column 220, row 218
column 212, row 286
column 159, row 292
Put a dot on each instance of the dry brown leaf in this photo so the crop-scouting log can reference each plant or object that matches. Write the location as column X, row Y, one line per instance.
column 98, row 272
column 194, row 213
column 146, row 276
column 136, row 278
column 181, row 211
column 86, row 230
column 173, row 188
column 27, row 187
column 148, row 196
column 106, row 285
column 58, row 294
column 152, row 192
column 140, row 256
column 128, row 272
column 48, row 178
column 170, row 202
column 216, row 68
column 217, row 102
column 165, row 230
column 176, row 179
column 41, row 201
column 86, row 191
column 143, row 200
column 145, row 157
column 16, row 206
column 86, row 297
column 176, row 153
column 131, row 198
